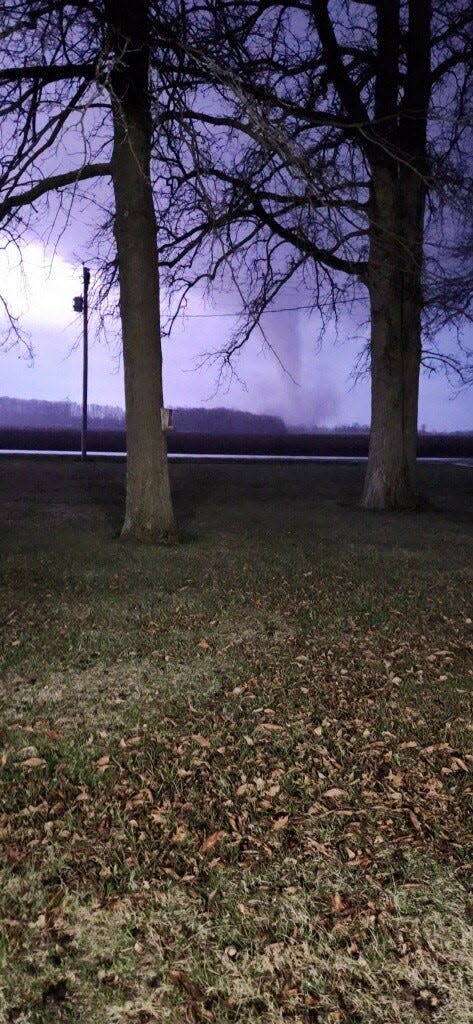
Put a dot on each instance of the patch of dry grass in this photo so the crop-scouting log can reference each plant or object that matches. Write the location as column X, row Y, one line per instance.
column 333, row 946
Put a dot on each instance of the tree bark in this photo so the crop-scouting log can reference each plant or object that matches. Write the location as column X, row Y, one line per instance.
column 395, row 358
column 149, row 513
column 390, row 481
column 398, row 185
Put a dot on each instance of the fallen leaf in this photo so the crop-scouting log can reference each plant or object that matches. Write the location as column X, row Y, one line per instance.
column 201, row 740
column 337, row 903
column 52, row 734
column 131, row 742
column 32, row 762
column 159, row 817
column 280, row 823
column 396, row 779
column 39, row 923
column 25, row 752
column 415, row 821
column 189, row 986
column 180, row 835
column 212, row 841
column 13, row 854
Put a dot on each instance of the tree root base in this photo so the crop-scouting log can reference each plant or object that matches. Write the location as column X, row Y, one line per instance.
column 168, row 537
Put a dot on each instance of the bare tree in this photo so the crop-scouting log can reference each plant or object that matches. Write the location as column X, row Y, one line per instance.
column 330, row 141
column 149, row 510
column 290, row 138
column 80, row 71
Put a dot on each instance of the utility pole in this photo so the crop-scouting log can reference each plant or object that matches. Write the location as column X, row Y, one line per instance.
column 81, row 305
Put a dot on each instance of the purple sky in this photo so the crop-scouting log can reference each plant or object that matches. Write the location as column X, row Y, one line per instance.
column 321, row 391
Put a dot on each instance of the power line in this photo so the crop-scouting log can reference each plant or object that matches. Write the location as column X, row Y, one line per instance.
column 280, row 309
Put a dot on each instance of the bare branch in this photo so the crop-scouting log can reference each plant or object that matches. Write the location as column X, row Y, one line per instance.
column 53, row 184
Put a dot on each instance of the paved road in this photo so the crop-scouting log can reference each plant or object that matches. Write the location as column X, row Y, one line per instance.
column 466, row 463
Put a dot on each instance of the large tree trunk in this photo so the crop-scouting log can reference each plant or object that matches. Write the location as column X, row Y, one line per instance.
column 395, row 261
column 395, row 359
column 149, row 514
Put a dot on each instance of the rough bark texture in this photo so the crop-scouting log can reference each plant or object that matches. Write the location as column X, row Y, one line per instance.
column 395, row 357
column 395, row 262
column 149, row 514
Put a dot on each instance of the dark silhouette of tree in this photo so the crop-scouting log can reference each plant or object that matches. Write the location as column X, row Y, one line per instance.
column 149, row 512
column 81, row 71
column 329, row 142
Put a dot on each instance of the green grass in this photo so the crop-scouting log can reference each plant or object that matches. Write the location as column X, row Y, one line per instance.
column 235, row 778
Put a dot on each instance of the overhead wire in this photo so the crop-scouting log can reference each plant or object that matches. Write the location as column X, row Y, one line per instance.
column 280, row 309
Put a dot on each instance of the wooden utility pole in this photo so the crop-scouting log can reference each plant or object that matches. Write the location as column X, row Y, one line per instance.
column 85, row 360
column 81, row 305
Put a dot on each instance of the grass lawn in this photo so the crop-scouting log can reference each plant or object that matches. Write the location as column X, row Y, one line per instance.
column 234, row 775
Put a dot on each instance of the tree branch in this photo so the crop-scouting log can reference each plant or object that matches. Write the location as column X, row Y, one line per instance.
column 51, row 184
column 47, row 73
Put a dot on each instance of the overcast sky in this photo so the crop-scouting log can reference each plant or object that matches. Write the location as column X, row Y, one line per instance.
column 316, row 389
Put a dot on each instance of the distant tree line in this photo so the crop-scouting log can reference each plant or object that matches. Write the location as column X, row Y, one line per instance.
column 41, row 414
column 31, row 412
column 226, row 421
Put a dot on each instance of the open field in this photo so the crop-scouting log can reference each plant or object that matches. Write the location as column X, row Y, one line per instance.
column 235, row 775
column 325, row 443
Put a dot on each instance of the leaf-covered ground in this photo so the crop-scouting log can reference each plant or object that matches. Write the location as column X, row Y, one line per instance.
column 235, row 775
